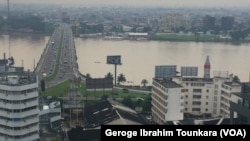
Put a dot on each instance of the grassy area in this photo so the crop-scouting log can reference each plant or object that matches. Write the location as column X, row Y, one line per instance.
column 59, row 90
column 63, row 88
column 51, row 77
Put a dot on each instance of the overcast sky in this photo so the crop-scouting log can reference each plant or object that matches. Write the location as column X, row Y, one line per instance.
column 167, row 3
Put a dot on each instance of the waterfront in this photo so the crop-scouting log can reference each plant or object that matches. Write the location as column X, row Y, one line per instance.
column 138, row 57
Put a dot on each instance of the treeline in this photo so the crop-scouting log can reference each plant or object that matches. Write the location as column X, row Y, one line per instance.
column 27, row 23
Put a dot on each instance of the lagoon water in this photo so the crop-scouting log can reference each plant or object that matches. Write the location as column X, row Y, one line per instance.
column 138, row 58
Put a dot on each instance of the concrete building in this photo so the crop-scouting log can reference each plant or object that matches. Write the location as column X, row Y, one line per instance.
column 198, row 97
column 18, row 105
column 167, row 101
column 241, row 106
column 228, row 88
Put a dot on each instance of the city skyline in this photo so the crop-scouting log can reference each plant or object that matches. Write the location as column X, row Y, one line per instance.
column 151, row 3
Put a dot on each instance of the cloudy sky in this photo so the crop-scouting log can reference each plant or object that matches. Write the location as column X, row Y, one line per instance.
column 167, row 3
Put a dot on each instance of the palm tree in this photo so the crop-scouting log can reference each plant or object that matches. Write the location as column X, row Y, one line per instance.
column 121, row 78
column 144, row 82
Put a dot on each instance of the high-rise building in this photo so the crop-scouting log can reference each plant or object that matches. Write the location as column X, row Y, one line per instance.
column 167, row 101
column 18, row 105
column 227, row 22
column 208, row 22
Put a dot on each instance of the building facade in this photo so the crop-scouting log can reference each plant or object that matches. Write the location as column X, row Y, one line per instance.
column 167, row 101
column 198, row 97
column 19, row 105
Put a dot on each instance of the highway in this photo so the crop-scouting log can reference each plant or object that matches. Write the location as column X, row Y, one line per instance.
column 58, row 61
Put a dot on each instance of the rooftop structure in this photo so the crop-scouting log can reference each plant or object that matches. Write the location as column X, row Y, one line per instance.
column 105, row 113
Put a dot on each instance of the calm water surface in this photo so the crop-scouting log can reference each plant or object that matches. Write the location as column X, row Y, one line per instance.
column 138, row 57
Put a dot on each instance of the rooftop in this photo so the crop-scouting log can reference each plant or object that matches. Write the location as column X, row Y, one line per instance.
column 233, row 84
column 198, row 79
column 16, row 76
column 105, row 113
column 167, row 83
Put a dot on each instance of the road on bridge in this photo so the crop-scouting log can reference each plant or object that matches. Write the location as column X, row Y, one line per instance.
column 58, row 61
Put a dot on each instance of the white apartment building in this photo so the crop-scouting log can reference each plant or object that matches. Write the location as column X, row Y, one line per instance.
column 167, row 101
column 19, row 106
column 198, row 96
column 227, row 91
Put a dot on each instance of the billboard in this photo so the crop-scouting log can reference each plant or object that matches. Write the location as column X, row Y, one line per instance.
column 99, row 83
column 189, row 71
column 114, row 59
column 168, row 71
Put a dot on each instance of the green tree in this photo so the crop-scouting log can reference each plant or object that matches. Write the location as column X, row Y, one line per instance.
column 236, row 79
column 128, row 102
column 147, row 104
column 144, row 82
column 109, row 75
column 121, row 78
column 238, row 34
column 88, row 75
column 43, row 85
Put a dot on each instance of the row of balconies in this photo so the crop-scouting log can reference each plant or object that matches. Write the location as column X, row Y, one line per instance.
column 32, row 137
column 23, row 105
column 20, row 132
column 159, row 106
column 19, row 97
column 158, row 113
column 9, row 114
column 24, row 122
column 160, row 93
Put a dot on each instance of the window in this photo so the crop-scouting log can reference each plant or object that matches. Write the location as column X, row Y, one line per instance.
column 196, row 103
column 186, row 96
column 207, row 90
column 196, row 109
column 196, row 96
column 197, row 90
column 206, row 103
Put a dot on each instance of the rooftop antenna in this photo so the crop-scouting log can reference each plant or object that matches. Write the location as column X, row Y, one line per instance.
column 8, row 22
column 10, row 59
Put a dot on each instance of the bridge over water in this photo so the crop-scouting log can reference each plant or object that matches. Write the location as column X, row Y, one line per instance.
column 58, row 61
